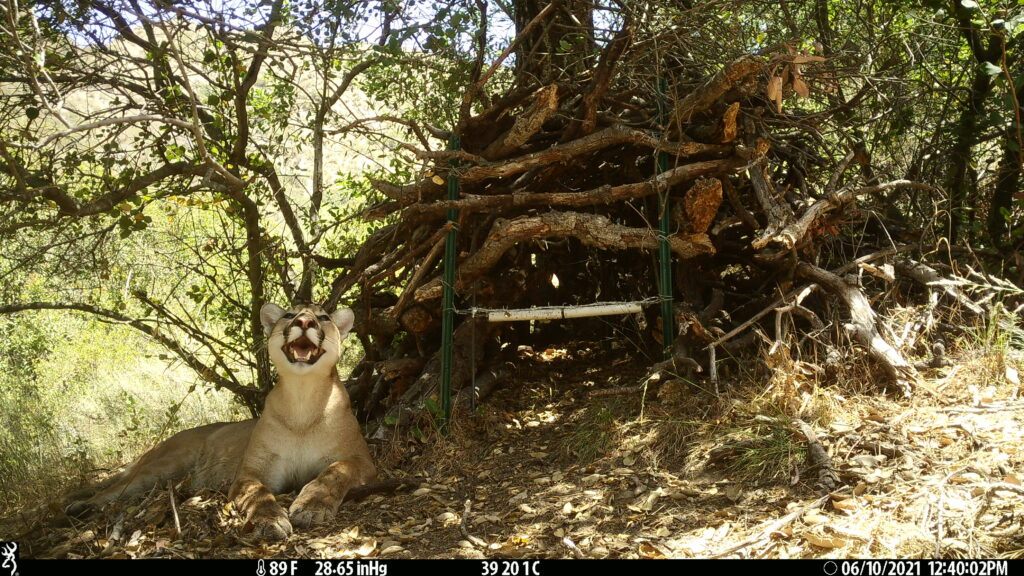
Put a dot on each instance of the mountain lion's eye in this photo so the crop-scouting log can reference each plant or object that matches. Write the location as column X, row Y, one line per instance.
column 323, row 317
column 289, row 316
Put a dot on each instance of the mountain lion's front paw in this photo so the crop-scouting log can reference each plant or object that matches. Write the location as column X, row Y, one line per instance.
column 270, row 523
column 311, row 508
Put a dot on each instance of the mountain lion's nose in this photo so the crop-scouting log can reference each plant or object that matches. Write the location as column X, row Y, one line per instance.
column 304, row 322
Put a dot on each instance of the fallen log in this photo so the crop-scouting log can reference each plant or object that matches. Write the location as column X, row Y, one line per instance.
column 862, row 325
column 486, row 382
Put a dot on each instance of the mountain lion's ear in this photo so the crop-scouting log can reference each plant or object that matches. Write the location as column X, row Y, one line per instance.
column 343, row 318
column 269, row 315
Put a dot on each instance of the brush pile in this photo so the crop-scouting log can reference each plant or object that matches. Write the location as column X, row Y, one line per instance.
column 560, row 198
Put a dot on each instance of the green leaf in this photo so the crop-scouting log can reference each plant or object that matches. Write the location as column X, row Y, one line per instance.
column 175, row 152
column 990, row 68
column 431, row 405
column 1014, row 23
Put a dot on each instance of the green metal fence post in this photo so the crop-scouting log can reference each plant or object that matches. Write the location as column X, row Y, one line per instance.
column 448, row 296
column 664, row 252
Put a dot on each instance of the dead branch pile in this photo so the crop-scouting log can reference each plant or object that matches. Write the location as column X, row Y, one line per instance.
column 559, row 204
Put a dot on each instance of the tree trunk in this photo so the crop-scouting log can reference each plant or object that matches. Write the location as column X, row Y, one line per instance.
column 1007, row 184
column 966, row 133
column 1008, row 173
column 960, row 181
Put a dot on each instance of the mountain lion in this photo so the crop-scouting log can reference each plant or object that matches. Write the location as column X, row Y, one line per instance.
column 307, row 436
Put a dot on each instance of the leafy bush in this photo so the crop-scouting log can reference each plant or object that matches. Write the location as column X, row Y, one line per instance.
column 78, row 395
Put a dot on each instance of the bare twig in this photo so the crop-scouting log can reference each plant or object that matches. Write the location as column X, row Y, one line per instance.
column 464, row 525
column 770, row 528
column 174, row 508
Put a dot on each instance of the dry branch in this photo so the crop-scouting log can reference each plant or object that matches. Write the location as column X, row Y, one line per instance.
column 529, row 123
column 561, row 153
column 597, row 196
column 402, row 196
column 400, row 367
column 795, row 233
column 862, row 324
column 590, row 229
column 778, row 213
column 727, row 128
column 818, row 455
column 924, row 274
column 601, row 81
column 705, row 96
column 770, row 528
column 485, row 383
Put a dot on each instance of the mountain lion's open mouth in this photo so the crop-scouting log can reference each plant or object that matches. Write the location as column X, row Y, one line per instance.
column 302, row 350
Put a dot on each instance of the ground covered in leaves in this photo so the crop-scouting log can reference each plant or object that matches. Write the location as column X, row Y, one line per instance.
column 560, row 463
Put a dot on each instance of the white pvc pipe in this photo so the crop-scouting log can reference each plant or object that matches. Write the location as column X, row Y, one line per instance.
column 564, row 312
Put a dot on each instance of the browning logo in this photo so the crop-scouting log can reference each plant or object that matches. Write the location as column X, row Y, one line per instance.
column 9, row 553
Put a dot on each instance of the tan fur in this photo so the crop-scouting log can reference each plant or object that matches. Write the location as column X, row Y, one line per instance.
column 307, row 437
